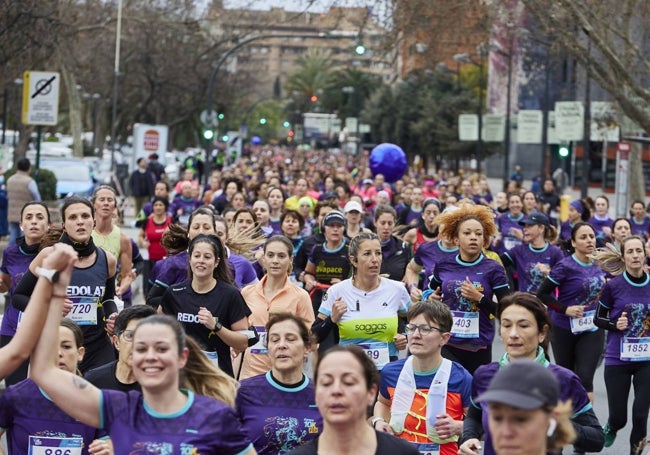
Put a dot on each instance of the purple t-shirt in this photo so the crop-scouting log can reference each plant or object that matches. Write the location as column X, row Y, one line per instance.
column 15, row 263
column 204, row 425
column 642, row 228
column 486, row 275
column 507, row 224
column 277, row 418
column 526, row 258
column 565, row 230
column 26, row 411
column 578, row 283
column 620, row 294
column 412, row 216
column 429, row 253
column 570, row 389
column 174, row 269
column 182, row 208
column 171, row 270
column 598, row 224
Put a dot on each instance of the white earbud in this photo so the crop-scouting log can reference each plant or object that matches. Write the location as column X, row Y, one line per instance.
column 552, row 425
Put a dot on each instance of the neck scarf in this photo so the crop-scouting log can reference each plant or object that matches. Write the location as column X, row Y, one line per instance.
column 84, row 249
column 436, row 399
column 30, row 250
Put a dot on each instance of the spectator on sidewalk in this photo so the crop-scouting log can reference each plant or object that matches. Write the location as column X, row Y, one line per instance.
column 142, row 184
column 21, row 189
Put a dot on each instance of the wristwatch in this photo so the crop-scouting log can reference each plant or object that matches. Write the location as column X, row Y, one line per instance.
column 217, row 326
column 50, row 275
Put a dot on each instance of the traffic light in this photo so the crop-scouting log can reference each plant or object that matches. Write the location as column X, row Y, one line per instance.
column 314, row 99
column 208, row 135
column 221, row 116
column 563, row 150
column 224, row 138
column 286, row 124
column 263, row 121
column 360, row 49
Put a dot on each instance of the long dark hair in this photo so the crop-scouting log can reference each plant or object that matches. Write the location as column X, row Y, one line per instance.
column 221, row 271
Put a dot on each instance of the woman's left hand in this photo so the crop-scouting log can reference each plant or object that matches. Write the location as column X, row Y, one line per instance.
column 447, row 427
column 400, row 341
column 101, row 447
column 206, row 318
column 469, row 291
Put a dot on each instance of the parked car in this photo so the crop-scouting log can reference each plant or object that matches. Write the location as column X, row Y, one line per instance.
column 73, row 177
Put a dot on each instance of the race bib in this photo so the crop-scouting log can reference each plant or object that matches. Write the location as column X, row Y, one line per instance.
column 378, row 353
column 260, row 346
column 41, row 445
column 584, row 324
column 428, row 449
column 465, row 324
column 84, row 310
column 212, row 357
column 635, row 349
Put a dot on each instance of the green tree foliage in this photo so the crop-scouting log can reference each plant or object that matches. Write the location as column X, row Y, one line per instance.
column 421, row 115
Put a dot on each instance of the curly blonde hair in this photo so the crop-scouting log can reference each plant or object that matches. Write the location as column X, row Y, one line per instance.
column 450, row 222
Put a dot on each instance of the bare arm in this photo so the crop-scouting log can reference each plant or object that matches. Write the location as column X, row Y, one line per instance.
column 412, row 275
column 126, row 264
column 5, row 282
column 21, row 345
column 73, row 394
column 382, row 410
column 232, row 337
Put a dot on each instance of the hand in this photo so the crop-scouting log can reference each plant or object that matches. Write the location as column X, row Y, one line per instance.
column 415, row 294
column 67, row 307
column 101, row 447
column 517, row 233
column 339, row 308
column 384, row 427
column 575, row 311
column 400, row 341
column 607, row 231
column 470, row 447
column 206, row 318
column 437, row 294
column 446, row 427
column 110, row 323
column 60, row 257
column 543, row 268
column 622, row 322
column 469, row 291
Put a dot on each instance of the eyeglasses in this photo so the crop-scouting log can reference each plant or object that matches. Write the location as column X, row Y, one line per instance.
column 424, row 329
column 127, row 334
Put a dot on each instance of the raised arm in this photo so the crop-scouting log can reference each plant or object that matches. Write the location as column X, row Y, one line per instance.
column 21, row 345
column 73, row 394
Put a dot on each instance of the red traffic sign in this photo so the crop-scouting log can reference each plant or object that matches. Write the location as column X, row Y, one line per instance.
column 623, row 146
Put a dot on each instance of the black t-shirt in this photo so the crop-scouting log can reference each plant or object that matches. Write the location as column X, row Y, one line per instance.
column 104, row 378
column 396, row 256
column 386, row 445
column 224, row 302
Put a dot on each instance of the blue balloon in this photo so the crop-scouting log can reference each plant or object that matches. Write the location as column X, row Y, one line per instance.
column 255, row 140
column 389, row 160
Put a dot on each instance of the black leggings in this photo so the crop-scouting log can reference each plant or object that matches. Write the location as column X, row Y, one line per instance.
column 618, row 379
column 470, row 360
column 579, row 353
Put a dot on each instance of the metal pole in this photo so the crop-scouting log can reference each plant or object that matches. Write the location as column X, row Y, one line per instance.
column 116, row 76
column 506, row 142
column 584, row 188
column 4, row 115
column 479, row 144
column 546, row 153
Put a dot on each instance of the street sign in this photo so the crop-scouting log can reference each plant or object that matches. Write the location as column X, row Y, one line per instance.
column 494, row 127
column 40, row 98
column 623, row 146
column 569, row 120
column 529, row 126
column 209, row 119
column 468, row 127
